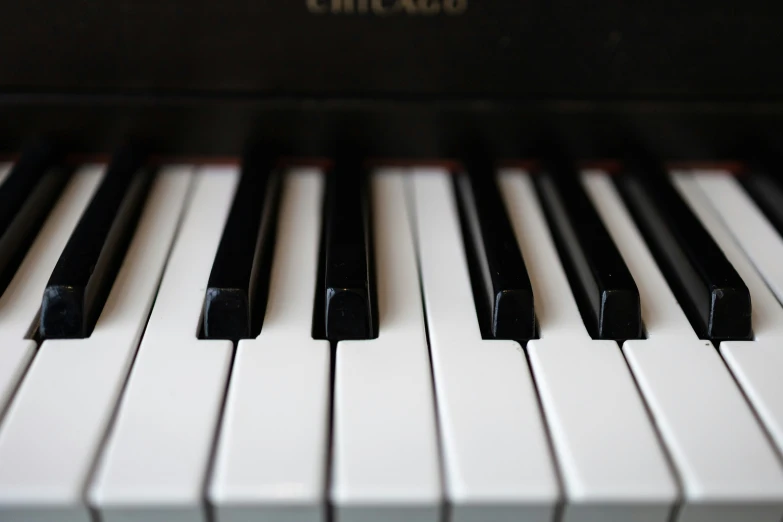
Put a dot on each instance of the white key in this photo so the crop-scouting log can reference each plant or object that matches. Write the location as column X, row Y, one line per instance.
column 272, row 451
column 21, row 301
column 497, row 460
column 612, row 465
column 751, row 229
column 727, row 468
column 55, row 425
column 755, row 364
column 385, row 449
column 155, row 462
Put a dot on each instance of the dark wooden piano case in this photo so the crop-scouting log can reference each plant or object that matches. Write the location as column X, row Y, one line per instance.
column 417, row 78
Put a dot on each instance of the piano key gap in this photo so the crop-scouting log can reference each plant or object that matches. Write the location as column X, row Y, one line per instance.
column 767, row 435
column 411, row 211
column 446, row 506
column 101, row 446
column 94, row 514
column 560, row 504
column 18, row 384
column 209, row 509
column 328, row 507
column 318, row 332
column 658, row 436
column 33, row 332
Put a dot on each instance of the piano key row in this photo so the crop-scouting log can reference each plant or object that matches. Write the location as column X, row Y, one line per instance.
column 427, row 408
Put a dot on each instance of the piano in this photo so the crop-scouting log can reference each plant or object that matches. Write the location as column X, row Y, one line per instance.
column 391, row 260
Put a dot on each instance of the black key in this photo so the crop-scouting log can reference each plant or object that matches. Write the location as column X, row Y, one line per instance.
column 238, row 285
column 26, row 197
column 349, row 302
column 84, row 274
column 709, row 290
column 602, row 284
column 767, row 192
column 501, row 277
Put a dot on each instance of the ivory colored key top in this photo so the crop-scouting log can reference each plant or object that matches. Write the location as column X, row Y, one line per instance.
column 21, row 301
column 385, row 461
column 727, row 468
column 497, row 460
column 744, row 235
column 55, row 426
column 611, row 463
column 154, row 465
column 272, row 451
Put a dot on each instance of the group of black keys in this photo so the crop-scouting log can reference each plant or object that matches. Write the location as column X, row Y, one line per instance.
column 712, row 294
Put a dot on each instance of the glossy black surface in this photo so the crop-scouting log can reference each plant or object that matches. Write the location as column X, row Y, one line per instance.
column 349, row 302
column 767, row 191
column 700, row 49
column 498, row 267
column 26, row 196
column 85, row 272
column 709, row 290
column 602, row 284
column 389, row 127
column 239, row 282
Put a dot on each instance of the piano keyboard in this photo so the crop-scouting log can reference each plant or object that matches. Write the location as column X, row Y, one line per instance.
column 236, row 343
